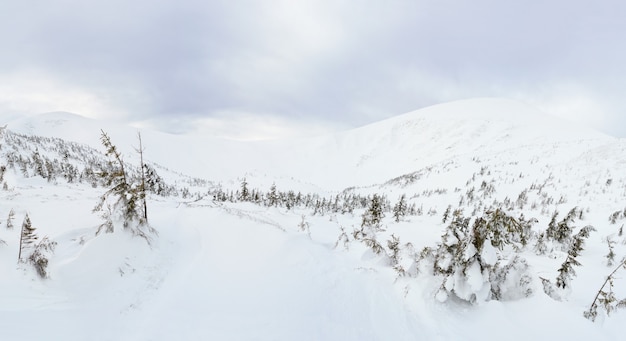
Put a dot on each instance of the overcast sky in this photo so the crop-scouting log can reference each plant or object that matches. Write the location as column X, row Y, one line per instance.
column 258, row 69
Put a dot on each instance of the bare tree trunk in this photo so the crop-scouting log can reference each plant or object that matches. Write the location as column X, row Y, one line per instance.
column 19, row 255
column 142, row 189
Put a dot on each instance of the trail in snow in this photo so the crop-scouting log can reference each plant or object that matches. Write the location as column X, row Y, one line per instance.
column 240, row 280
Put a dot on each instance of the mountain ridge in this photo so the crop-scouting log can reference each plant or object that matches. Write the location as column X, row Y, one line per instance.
column 373, row 153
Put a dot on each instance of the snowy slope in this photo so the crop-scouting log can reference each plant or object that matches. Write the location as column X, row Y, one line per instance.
column 359, row 157
column 241, row 271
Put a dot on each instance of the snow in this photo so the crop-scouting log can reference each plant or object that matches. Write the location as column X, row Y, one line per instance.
column 270, row 285
column 240, row 271
column 358, row 157
column 488, row 254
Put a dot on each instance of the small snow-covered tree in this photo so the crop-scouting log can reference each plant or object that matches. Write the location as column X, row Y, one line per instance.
column 566, row 271
column 610, row 257
column 10, row 219
column 34, row 251
column 343, row 238
column 39, row 164
column 27, row 238
column 395, row 255
column 561, row 232
column 502, row 229
column 373, row 216
column 272, row 196
column 552, row 226
column 400, row 208
column 605, row 298
column 154, row 182
column 393, row 245
column 446, row 214
column 304, row 226
column 541, row 247
column 615, row 216
column 41, row 254
column 244, row 194
column 123, row 200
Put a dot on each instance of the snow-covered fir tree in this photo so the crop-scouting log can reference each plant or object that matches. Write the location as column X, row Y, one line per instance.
column 33, row 250
column 10, row 217
column 272, row 196
column 244, row 194
column 40, row 256
column 479, row 261
column 28, row 238
column 123, row 200
column 373, row 216
column 566, row 271
column 400, row 208
column 561, row 232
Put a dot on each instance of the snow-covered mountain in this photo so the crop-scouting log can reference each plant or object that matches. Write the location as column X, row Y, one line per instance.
column 277, row 267
column 371, row 154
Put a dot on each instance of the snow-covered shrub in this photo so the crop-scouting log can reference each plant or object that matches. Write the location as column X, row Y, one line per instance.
column 33, row 250
column 610, row 256
column 402, row 257
column 343, row 239
column 40, row 256
column 541, row 245
column 566, row 271
column 511, row 280
column 374, row 245
column 373, row 215
column 503, row 229
column 606, row 299
column 478, row 261
column 10, row 217
column 304, row 226
column 558, row 235
column 446, row 214
column 393, row 245
column 617, row 215
column 561, row 232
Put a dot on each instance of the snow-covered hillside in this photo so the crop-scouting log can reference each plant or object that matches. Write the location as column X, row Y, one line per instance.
column 359, row 157
column 305, row 259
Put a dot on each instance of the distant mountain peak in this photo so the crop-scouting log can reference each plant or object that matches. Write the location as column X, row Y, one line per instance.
column 490, row 109
column 374, row 153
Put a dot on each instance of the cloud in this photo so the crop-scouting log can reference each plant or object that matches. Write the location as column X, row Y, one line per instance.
column 240, row 126
column 330, row 63
column 29, row 92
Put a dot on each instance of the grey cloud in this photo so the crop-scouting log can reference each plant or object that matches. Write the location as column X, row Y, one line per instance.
column 348, row 62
